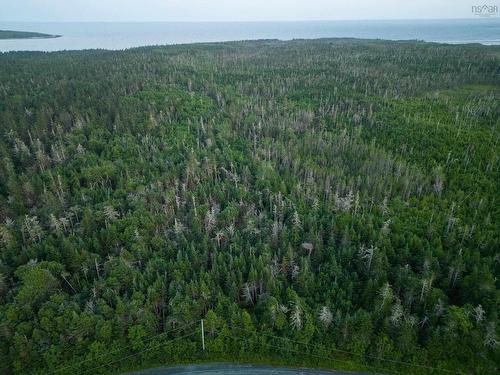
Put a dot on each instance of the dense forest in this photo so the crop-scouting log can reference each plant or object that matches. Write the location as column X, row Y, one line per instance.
column 328, row 203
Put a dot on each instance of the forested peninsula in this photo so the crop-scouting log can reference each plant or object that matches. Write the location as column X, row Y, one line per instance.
column 10, row 34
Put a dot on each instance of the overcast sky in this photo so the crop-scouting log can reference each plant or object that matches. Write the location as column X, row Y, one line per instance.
column 232, row 10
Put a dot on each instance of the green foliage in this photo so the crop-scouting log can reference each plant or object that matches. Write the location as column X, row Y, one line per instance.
column 308, row 199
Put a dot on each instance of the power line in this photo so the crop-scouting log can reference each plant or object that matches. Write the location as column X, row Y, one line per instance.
column 232, row 336
column 122, row 348
column 262, row 335
column 139, row 352
column 357, row 354
column 318, row 356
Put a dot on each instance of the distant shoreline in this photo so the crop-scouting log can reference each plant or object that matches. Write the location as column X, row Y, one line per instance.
column 12, row 34
column 119, row 36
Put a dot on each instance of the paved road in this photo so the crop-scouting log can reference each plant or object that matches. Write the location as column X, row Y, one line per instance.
column 226, row 369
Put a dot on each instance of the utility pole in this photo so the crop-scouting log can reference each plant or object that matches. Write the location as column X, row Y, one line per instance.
column 202, row 336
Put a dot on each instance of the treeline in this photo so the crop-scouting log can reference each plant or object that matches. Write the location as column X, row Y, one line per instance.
column 341, row 194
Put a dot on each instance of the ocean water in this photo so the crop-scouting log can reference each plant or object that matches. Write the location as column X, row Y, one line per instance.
column 78, row 36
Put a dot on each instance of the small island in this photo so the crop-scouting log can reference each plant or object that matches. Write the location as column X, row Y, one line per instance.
column 10, row 34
